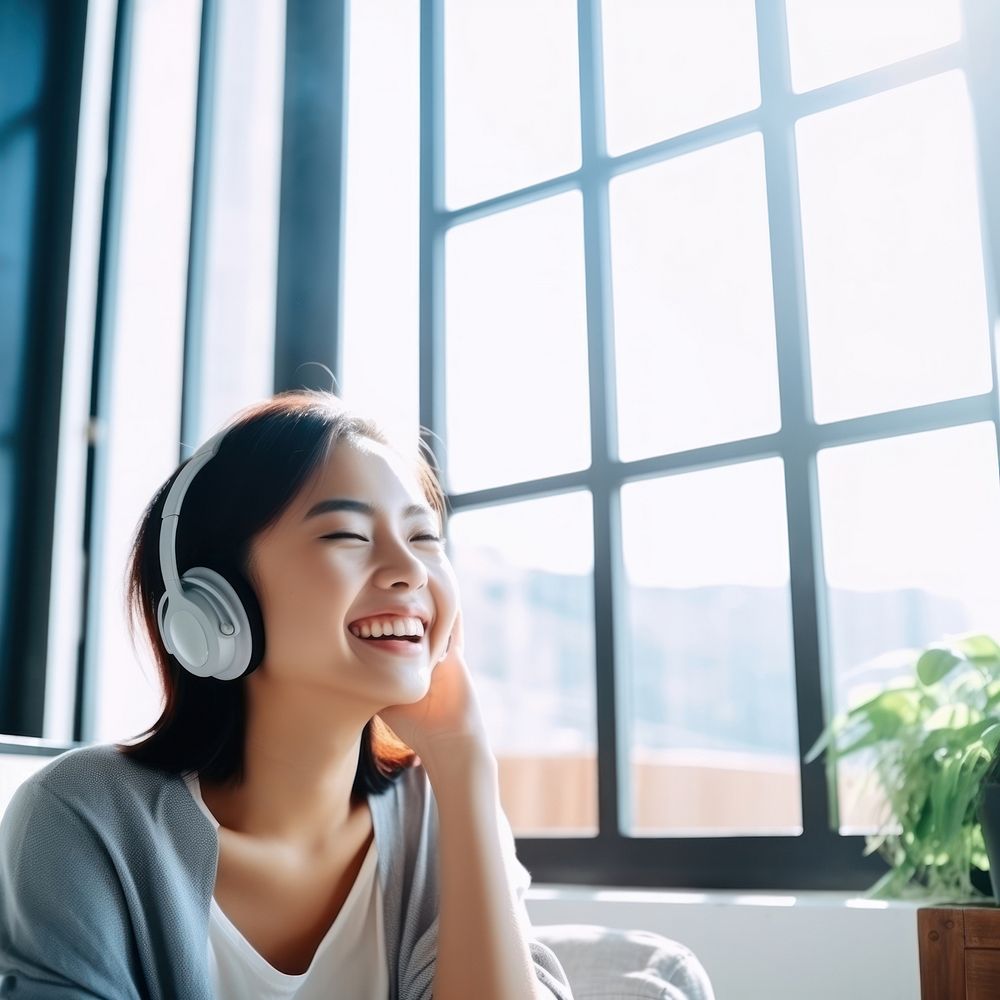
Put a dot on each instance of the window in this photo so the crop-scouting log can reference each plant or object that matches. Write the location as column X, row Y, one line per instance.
column 693, row 331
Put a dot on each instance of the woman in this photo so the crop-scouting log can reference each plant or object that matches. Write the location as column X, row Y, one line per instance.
column 270, row 836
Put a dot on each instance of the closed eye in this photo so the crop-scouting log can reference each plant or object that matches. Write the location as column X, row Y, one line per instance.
column 350, row 534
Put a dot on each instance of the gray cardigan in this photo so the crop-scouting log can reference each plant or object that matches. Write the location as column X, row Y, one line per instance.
column 107, row 870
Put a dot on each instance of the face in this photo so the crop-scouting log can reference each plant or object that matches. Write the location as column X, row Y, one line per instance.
column 312, row 586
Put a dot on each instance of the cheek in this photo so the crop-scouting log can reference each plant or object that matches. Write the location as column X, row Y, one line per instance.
column 303, row 608
column 446, row 601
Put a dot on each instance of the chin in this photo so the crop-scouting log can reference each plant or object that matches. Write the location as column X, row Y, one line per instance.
column 416, row 687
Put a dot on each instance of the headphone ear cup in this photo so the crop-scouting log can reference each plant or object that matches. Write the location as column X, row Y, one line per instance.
column 208, row 631
column 255, row 616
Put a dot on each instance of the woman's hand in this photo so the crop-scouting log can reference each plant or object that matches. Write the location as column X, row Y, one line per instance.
column 448, row 716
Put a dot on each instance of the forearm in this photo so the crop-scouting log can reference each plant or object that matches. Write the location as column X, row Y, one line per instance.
column 482, row 948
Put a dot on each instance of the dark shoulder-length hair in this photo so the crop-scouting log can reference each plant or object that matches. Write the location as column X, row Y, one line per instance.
column 270, row 451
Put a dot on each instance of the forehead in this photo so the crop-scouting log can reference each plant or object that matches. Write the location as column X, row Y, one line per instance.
column 364, row 470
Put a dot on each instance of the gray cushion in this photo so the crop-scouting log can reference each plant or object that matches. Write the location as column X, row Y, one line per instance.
column 605, row 963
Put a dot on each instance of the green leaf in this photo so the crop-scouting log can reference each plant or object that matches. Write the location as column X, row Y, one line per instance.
column 992, row 695
column 893, row 709
column 823, row 741
column 979, row 648
column 935, row 663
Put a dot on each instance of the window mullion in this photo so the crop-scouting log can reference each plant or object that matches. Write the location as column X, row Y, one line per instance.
column 801, row 490
column 311, row 229
column 982, row 36
column 200, row 193
column 613, row 793
column 433, row 221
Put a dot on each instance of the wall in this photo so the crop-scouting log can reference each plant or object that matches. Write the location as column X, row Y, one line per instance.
column 759, row 946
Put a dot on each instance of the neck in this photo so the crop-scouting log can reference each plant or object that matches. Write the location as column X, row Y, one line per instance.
column 300, row 762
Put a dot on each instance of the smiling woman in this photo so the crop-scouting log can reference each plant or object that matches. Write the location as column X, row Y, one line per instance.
column 270, row 835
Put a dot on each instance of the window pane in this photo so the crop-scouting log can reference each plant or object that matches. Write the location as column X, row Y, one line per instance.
column 893, row 252
column 832, row 41
column 511, row 96
column 380, row 357
column 23, row 44
column 516, row 346
column 694, row 315
column 714, row 736
column 671, row 68
column 142, row 436
column 911, row 542
column 526, row 575
column 19, row 210
column 8, row 499
column 242, row 235
column 19, row 166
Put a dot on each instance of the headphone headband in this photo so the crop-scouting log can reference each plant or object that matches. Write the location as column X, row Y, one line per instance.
column 172, row 508
column 202, row 620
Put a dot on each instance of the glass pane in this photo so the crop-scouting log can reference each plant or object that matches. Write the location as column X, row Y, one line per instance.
column 380, row 354
column 23, row 44
column 525, row 572
column 18, row 169
column 511, row 96
column 9, row 492
column 711, row 686
column 893, row 251
column 142, row 438
column 516, row 346
column 911, row 542
column 242, row 236
column 832, row 41
column 671, row 68
column 693, row 308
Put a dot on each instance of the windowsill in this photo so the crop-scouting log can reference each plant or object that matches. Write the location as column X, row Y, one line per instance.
column 716, row 897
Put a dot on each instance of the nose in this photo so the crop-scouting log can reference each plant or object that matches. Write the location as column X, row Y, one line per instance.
column 396, row 562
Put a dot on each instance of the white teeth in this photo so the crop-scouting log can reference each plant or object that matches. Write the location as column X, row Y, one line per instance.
column 394, row 626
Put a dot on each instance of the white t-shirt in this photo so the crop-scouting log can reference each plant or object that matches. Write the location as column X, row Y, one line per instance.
column 350, row 962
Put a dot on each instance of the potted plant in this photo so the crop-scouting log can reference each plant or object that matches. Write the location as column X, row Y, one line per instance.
column 933, row 734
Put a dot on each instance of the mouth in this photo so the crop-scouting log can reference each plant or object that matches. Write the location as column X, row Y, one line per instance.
column 405, row 645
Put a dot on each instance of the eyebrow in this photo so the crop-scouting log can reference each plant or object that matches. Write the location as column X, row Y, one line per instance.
column 361, row 507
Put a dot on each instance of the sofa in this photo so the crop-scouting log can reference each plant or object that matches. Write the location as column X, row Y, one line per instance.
column 606, row 963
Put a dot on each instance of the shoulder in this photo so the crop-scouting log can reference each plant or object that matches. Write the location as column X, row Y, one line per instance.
column 97, row 775
column 116, row 799
column 51, row 838
column 92, row 760
column 86, row 852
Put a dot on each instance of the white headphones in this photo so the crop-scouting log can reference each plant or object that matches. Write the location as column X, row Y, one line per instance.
column 202, row 620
